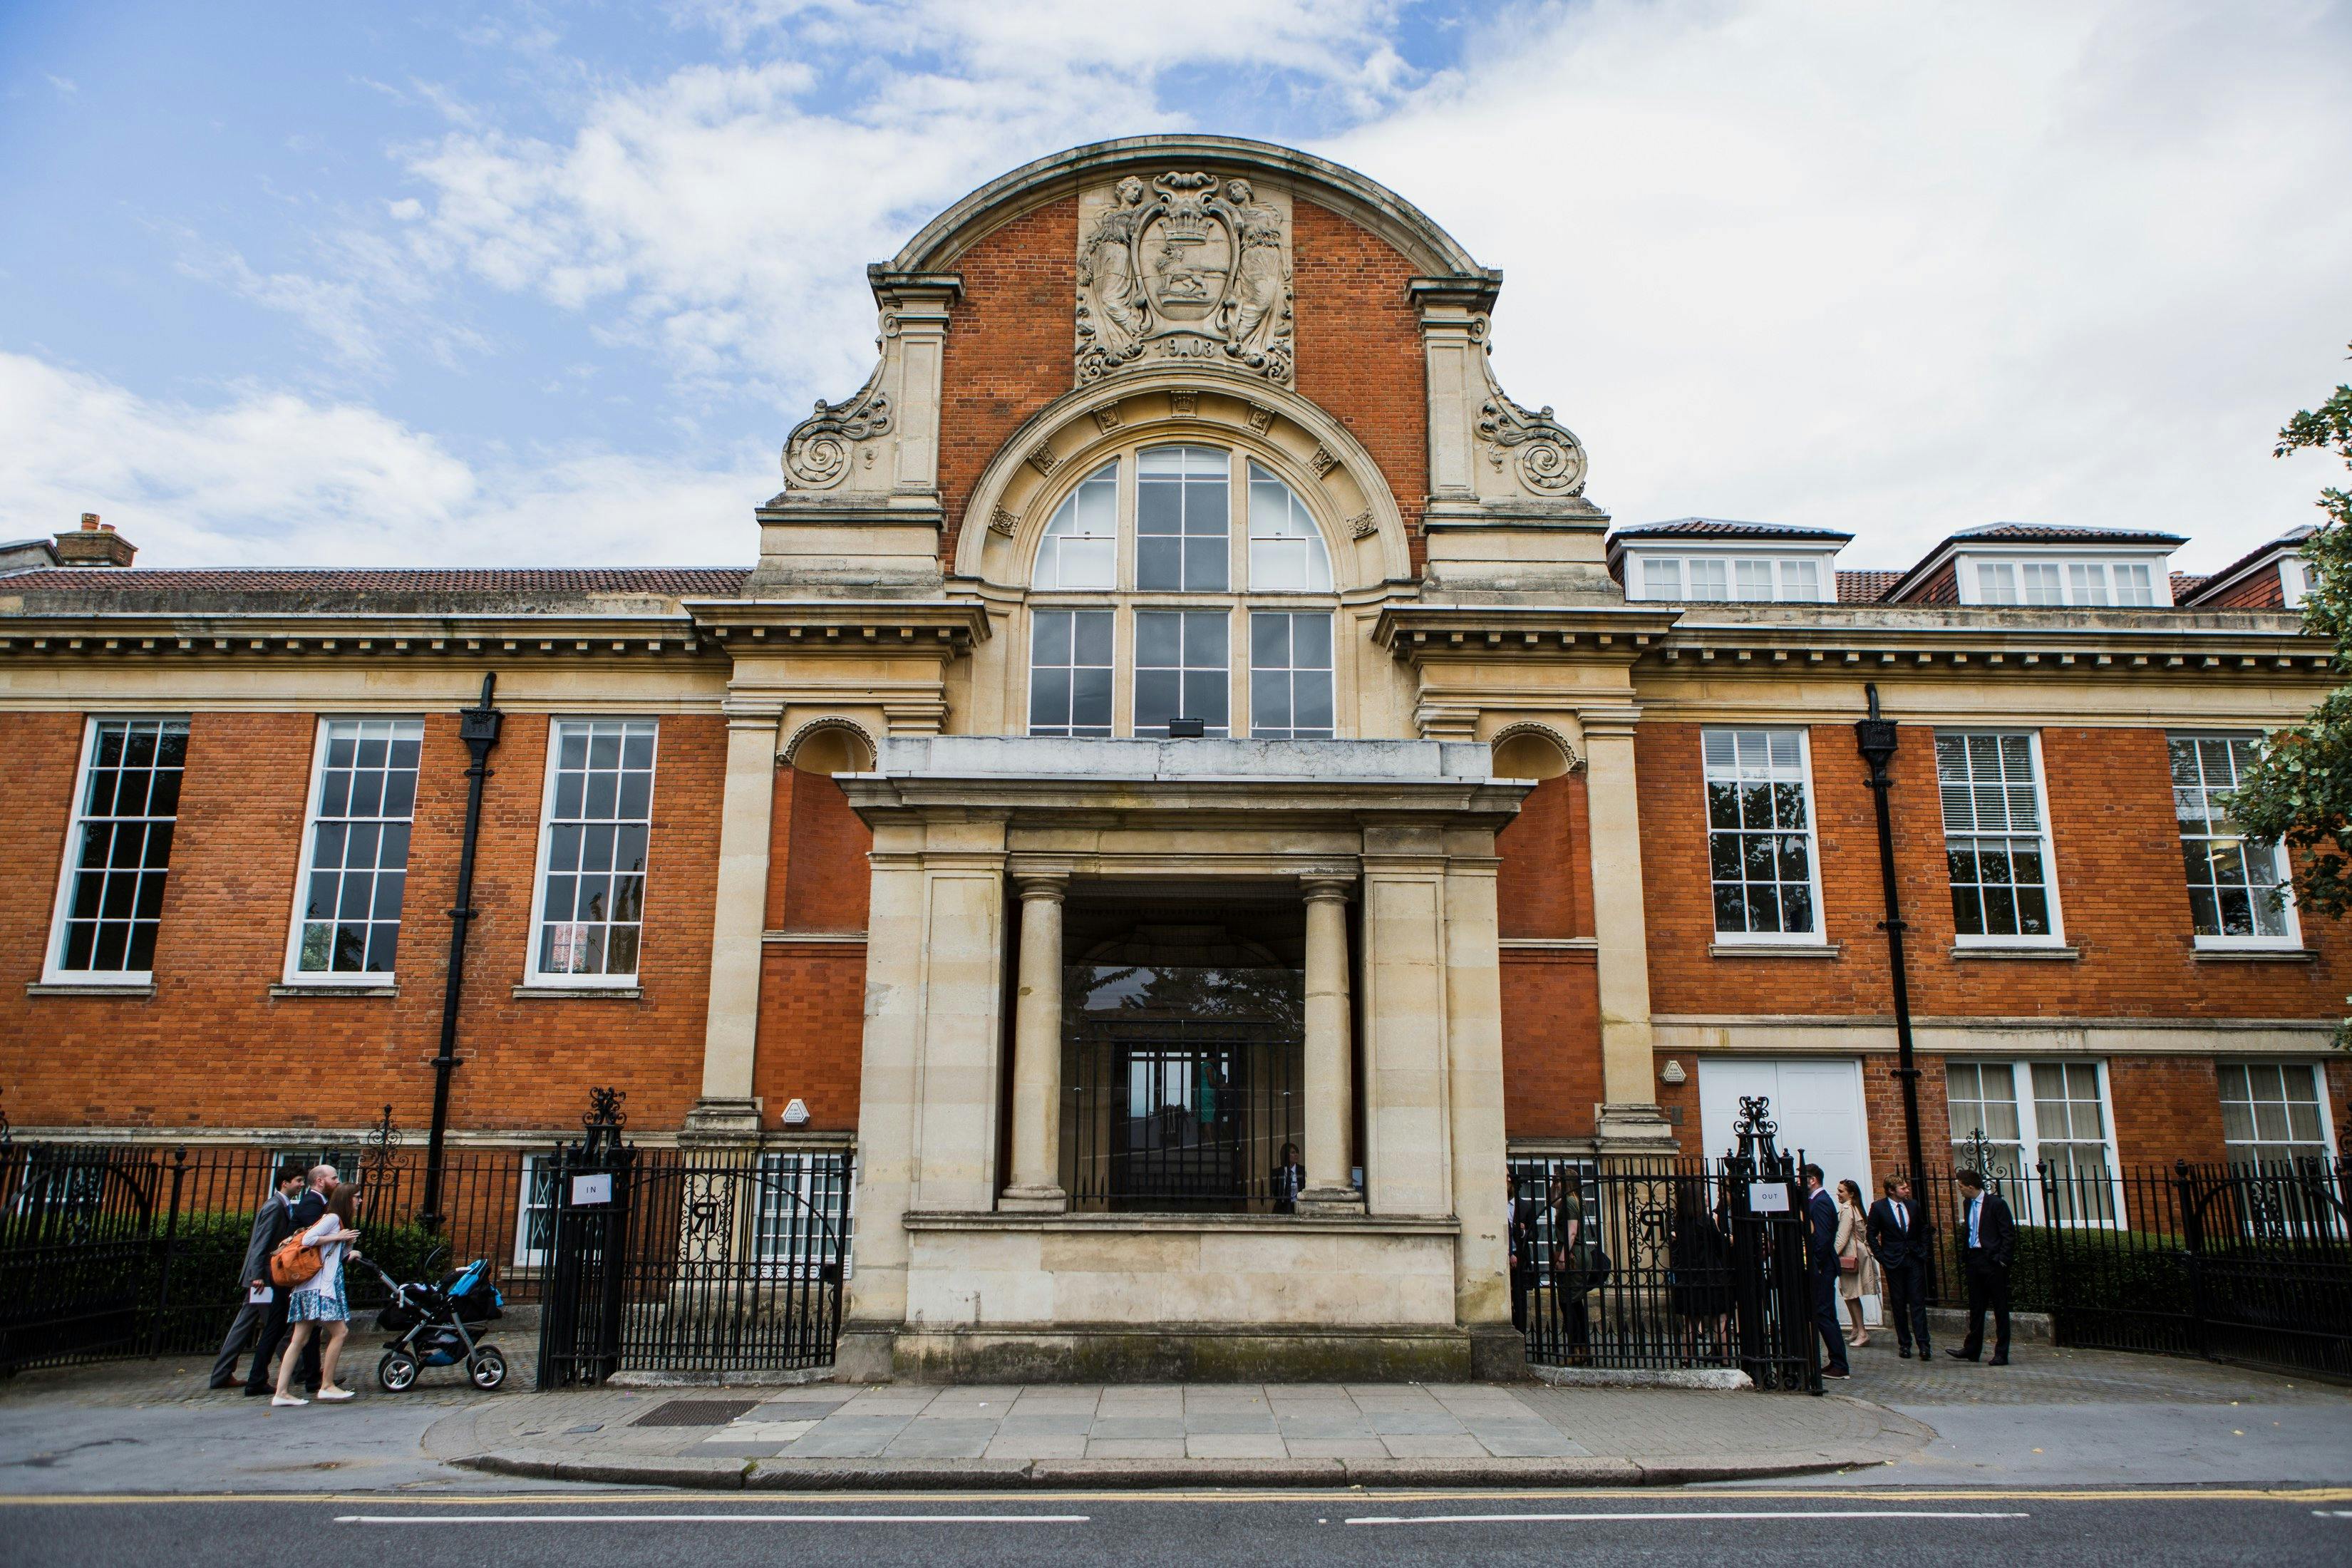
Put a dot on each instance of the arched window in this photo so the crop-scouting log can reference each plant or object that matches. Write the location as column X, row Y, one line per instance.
column 1149, row 606
column 1286, row 547
column 1080, row 548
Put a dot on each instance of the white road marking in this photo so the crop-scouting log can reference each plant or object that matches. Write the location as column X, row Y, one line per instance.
column 1683, row 1514
column 711, row 1519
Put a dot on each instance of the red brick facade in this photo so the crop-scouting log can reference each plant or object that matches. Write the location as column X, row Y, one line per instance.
column 214, row 1048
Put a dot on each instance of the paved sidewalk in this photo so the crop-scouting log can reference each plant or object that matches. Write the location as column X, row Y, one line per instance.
column 823, row 1436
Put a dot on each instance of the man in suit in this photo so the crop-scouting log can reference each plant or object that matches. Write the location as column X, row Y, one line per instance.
column 1822, row 1268
column 1991, row 1237
column 1521, row 1220
column 307, row 1208
column 269, row 1226
column 1899, row 1241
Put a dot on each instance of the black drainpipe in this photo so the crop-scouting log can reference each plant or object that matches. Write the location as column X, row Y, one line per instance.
column 478, row 728
column 1875, row 736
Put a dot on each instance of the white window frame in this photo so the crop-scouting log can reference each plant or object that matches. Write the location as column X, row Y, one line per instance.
column 341, row 979
column 2057, row 934
column 533, row 976
column 2294, row 580
column 52, row 970
column 1992, row 578
column 773, row 1264
column 2320, row 1089
column 1782, row 571
column 525, row 1255
column 1819, row 934
column 2292, row 939
column 2025, row 1199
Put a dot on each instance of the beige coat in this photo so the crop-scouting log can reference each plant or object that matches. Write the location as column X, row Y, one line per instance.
column 1852, row 1225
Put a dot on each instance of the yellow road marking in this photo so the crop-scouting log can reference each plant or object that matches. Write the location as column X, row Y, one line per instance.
column 770, row 1497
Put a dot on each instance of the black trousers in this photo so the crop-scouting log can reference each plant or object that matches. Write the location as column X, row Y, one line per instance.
column 1987, row 1286
column 1520, row 1286
column 1906, row 1301
column 273, row 1333
column 1826, row 1315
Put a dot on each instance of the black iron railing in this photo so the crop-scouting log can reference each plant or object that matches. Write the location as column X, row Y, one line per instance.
column 123, row 1249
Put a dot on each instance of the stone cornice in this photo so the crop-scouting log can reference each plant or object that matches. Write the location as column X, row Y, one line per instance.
column 840, row 626
column 1419, row 633
column 1979, row 640
column 340, row 633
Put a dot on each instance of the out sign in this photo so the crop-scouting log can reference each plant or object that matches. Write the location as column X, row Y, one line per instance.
column 591, row 1190
column 1763, row 1197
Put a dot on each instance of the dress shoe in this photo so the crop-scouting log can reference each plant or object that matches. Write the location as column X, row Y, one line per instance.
column 1961, row 1355
column 1904, row 1351
column 257, row 1392
column 1999, row 1361
column 1835, row 1372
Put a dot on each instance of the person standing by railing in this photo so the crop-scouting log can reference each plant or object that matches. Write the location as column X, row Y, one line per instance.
column 1900, row 1247
column 1857, row 1269
column 1991, row 1237
column 1822, row 1268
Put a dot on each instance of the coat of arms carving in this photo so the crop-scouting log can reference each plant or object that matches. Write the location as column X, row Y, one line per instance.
column 1189, row 268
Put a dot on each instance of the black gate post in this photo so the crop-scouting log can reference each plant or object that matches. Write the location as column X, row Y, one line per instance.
column 171, row 1246
column 580, row 1314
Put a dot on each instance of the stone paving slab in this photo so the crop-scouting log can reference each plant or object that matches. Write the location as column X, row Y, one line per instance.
column 1477, row 1434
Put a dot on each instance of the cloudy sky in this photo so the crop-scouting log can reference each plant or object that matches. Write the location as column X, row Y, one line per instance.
column 530, row 283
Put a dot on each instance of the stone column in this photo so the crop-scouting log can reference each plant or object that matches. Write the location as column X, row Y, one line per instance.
column 740, row 908
column 1630, row 1118
column 1035, row 1186
column 1330, row 1065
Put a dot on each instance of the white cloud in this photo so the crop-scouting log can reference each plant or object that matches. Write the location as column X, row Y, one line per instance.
column 1905, row 270
column 266, row 478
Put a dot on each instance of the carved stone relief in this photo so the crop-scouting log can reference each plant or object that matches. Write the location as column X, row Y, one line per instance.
column 1549, row 459
column 820, row 448
column 1003, row 522
column 1187, row 267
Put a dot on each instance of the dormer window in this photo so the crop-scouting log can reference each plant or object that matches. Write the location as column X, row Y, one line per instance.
column 2088, row 584
column 1698, row 579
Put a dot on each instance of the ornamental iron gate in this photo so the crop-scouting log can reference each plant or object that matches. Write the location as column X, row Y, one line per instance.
column 697, row 1262
column 1661, row 1265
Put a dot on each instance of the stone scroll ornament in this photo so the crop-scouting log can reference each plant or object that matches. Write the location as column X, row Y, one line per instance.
column 1549, row 458
column 1186, row 269
column 821, row 447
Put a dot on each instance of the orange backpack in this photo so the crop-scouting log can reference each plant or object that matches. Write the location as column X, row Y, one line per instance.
column 293, row 1263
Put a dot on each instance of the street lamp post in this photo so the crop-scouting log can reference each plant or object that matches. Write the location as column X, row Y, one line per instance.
column 478, row 728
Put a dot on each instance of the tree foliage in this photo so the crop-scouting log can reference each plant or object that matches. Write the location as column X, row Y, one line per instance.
column 2300, row 793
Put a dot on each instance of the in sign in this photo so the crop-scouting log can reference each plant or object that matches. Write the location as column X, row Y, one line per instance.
column 591, row 1189
column 1763, row 1197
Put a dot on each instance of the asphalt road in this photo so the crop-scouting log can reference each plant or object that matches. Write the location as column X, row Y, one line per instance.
column 1809, row 1528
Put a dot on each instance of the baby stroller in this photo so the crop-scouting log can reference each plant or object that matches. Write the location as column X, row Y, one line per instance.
column 436, row 1325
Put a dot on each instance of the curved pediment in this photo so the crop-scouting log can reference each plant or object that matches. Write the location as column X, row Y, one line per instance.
column 1364, row 201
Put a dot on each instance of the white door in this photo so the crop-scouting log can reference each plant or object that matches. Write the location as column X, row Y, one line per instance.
column 1817, row 1103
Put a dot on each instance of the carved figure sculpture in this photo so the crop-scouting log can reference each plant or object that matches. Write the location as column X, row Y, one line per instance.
column 1261, row 290
column 1112, row 311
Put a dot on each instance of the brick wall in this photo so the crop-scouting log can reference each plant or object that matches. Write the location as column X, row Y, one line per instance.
column 2260, row 590
column 1008, row 347
column 812, row 1030
column 215, row 1048
column 2122, row 900
column 1551, row 1042
column 1359, row 351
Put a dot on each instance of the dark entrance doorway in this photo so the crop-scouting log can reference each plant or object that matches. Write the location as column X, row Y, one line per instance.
column 1182, row 1039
